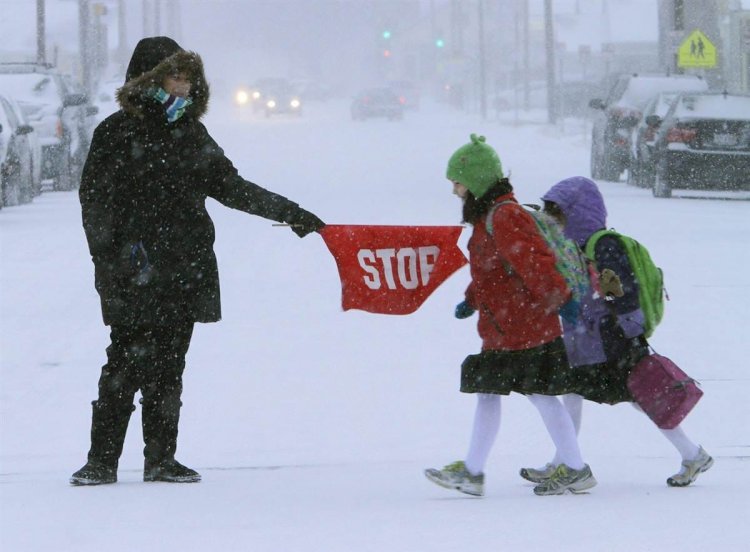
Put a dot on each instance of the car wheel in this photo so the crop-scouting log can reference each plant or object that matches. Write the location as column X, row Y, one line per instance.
column 62, row 181
column 11, row 188
column 596, row 173
column 609, row 170
column 646, row 179
column 634, row 174
column 661, row 188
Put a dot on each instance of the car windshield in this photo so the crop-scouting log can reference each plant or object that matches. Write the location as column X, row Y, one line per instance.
column 380, row 94
column 31, row 88
column 713, row 106
column 641, row 90
column 280, row 90
column 663, row 103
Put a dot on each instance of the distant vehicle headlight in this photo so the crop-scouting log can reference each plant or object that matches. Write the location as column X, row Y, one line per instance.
column 295, row 103
column 256, row 95
column 270, row 104
column 241, row 97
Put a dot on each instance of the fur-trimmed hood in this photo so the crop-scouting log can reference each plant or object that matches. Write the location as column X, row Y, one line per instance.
column 153, row 59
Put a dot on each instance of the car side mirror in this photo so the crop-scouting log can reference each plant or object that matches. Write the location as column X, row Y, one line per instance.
column 72, row 100
column 92, row 110
column 24, row 129
column 597, row 103
column 653, row 120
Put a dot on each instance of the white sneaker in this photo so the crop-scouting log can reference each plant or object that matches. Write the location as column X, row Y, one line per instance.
column 691, row 469
column 455, row 476
column 566, row 479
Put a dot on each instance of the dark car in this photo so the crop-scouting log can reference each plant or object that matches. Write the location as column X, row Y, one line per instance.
column 282, row 99
column 257, row 94
column 16, row 172
column 641, row 169
column 621, row 112
column 377, row 102
column 59, row 112
column 703, row 143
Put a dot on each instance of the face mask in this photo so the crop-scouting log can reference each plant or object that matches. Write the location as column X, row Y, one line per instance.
column 175, row 105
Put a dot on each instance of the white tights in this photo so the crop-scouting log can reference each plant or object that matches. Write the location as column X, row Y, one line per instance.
column 685, row 446
column 487, row 424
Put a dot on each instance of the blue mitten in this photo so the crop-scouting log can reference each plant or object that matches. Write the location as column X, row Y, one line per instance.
column 464, row 310
column 570, row 311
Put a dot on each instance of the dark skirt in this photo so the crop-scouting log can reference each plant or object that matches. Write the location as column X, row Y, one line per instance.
column 543, row 370
column 607, row 382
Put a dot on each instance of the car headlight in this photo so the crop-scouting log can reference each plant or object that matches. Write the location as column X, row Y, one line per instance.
column 295, row 103
column 241, row 97
column 256, row 95
column 270, row 104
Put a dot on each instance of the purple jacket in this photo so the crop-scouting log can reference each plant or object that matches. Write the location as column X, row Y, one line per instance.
column 602, row 327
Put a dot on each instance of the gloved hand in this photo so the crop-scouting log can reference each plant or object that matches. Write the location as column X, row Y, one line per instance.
column 304, row 222
column 570, row 311
column 610, row 283
column 141, row 268
column 464, row 310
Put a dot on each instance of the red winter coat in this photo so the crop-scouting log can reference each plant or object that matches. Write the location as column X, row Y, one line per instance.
column 515, row 286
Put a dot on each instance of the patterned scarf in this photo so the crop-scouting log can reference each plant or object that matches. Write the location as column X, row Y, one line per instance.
column 174, row 105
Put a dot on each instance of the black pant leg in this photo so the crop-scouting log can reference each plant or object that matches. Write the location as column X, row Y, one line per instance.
column 162, row 388
column 118, row 382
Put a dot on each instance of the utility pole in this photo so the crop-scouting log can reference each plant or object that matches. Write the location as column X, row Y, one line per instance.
column 41, row 48
column 84, row 26
column 549, row 33
column 144, row 11
column 482, row 66
column 526, row 57
column 157, row 17
column 122, row 54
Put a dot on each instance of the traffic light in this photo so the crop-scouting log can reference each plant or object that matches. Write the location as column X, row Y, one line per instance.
column 386, row 34
column 386, row 53
column 439, row 42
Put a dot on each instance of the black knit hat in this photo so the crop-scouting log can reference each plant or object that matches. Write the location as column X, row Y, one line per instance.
column 148, row 53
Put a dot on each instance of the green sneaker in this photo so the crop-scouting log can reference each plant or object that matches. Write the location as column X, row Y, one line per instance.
column 566, row 479
column 691, row 470
column 456, row 476
column 537, row 476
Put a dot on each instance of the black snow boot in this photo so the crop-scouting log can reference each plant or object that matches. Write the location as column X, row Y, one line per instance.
column 109, row 423
column 94, row 473
column 170, row 471
column 160, row 416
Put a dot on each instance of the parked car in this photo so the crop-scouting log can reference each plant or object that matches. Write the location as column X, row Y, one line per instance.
column 703, row 143
column 621, row 111
column 16, row 184
column 282, row 99
column 59, row 112
column 377, row 102
column 36, row 148
column 641, row 169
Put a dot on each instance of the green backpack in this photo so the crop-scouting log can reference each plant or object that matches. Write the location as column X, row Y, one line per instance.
column 569, row 260
column 648, row 276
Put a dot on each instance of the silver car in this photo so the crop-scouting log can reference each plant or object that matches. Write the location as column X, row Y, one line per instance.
column 59, row 112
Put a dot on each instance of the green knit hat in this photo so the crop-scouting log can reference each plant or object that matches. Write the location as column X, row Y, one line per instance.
column 476, row 166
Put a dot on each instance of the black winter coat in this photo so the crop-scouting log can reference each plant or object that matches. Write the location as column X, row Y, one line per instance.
column 143, row 196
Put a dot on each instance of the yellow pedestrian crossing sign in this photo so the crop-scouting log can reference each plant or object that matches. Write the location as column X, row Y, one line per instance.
column 696, row 51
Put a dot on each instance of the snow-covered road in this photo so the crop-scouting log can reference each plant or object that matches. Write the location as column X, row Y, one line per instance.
column 311, row 426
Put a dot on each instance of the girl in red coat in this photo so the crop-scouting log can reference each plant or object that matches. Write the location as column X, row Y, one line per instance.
column 519, row 296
